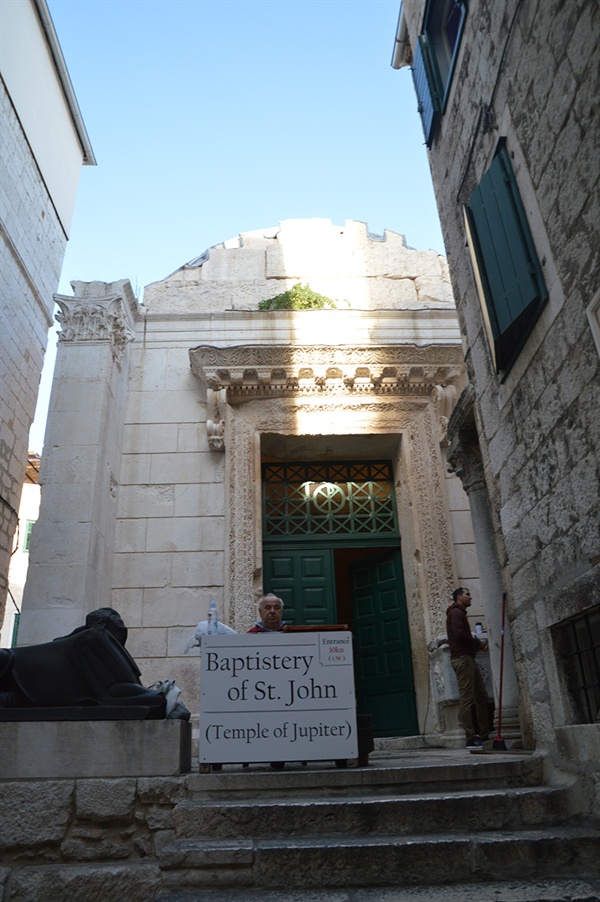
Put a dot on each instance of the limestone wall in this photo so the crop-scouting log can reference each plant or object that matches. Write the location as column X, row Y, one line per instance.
column 32, row 245
column 529, row 73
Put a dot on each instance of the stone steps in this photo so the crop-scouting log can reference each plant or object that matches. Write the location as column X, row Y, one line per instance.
column 422, row 821
column 340, row 861
column 482, row 809
column 558, row 890
column 461, row 771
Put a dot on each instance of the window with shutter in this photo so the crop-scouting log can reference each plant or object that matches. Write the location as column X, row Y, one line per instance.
column 508, row 273
column 428, row 102
column 27, row 536
column 435, row 59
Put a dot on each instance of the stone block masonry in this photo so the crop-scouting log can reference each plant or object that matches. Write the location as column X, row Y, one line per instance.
column 86, row 838
column 32, row 245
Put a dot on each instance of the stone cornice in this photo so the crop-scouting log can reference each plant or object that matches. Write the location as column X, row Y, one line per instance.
column 256, row 371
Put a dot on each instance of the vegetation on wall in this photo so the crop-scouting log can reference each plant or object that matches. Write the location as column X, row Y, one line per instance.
column 299, row 297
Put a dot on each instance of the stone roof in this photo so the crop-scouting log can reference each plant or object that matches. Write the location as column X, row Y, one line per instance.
column 347, row 263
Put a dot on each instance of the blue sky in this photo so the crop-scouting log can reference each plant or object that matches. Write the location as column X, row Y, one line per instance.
column 213, row 117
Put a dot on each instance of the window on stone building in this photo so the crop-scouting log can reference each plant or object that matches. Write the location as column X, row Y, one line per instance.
column 27, row 536
column 507, row 270
column 578, row 643
column 435, row 58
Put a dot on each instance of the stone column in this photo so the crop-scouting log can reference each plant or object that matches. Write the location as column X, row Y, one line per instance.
column 72, row 543
column 464, row 459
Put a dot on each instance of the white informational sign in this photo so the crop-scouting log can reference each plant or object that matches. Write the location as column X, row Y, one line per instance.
column 277, row 697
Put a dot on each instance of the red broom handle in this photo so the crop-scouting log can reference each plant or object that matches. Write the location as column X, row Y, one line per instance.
column 501, row 668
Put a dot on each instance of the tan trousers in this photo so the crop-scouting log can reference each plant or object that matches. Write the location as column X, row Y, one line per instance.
column 471, row 691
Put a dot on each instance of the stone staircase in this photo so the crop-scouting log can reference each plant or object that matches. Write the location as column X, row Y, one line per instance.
column 437, row 819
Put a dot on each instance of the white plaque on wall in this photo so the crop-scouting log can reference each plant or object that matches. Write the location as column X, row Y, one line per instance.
column 277, row 697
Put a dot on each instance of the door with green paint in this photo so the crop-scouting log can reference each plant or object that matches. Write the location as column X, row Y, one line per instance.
column 382, row 654
column 330, row 551
column 304, row 580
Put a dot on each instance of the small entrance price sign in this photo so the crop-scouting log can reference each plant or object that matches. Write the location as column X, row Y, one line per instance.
column 277, row 697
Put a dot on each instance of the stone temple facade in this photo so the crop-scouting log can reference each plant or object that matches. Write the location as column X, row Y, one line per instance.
column 163, row 417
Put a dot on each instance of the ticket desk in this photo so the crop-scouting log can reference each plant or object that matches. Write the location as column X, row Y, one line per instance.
column 275, row 697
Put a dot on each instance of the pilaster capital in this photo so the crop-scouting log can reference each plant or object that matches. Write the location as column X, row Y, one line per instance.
column 464, row 459
column 464, row 454
column 89, row 317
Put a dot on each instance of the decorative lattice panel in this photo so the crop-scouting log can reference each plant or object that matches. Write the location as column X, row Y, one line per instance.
column 328, row 499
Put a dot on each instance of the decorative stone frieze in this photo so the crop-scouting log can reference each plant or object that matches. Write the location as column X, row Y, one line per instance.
column 96, row 319
column 248, row 371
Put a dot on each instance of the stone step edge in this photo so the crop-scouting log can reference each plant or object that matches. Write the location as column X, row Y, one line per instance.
column 575, row 889
column 402, row 799
column 530, row 768
column 335, row 841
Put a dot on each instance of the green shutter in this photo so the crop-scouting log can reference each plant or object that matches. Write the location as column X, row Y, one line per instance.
column 509, row 268
column 27, row 538
column 15, row 630
column 425, row 89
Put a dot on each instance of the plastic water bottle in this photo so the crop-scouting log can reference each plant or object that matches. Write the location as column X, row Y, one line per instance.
column 213, row 620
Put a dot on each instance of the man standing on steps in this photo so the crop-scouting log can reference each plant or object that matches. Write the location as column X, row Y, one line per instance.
column 471, row 688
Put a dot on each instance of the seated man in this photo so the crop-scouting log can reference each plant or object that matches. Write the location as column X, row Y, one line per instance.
column 270, row 608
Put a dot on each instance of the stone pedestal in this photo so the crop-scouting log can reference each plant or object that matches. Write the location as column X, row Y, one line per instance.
column 57, row 750
column 445, row 691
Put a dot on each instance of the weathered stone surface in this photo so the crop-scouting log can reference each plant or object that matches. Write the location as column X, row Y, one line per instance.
column 86, row 883
column 104, row 801
column 95, row 748
column 34, row 814
column 347, row 264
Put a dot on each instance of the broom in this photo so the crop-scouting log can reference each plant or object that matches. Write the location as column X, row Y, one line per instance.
column 499, row 743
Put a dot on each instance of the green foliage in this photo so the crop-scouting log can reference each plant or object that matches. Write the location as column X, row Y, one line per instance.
column 299, row 297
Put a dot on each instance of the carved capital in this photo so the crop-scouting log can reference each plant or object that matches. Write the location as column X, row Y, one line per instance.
column 464, row 454
column 464, row 459
column 96, row 319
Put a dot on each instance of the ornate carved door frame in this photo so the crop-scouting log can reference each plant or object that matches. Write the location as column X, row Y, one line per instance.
column 401, row 390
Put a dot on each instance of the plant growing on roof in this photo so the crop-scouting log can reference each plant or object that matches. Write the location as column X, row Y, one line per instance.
column 299, row 297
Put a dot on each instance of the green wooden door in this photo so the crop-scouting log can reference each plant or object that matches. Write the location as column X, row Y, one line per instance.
column 304, row 580
column 382, row 657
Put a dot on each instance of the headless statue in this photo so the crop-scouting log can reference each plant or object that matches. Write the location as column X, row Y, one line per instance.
column 88, row 668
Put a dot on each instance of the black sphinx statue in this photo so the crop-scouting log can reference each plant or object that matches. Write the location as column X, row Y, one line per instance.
column 87, row 675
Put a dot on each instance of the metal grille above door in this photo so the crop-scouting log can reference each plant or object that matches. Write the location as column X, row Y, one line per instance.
column 337, row 500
